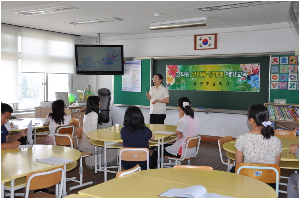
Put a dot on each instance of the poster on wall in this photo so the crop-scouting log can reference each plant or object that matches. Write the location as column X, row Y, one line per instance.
column 284, row 72
column 131, row 80
column 215, row 77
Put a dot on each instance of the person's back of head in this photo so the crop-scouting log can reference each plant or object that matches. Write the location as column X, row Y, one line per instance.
column 134, row 119
column 92, row 104
column 185, row 104
column 58, row 111
column 260, row 114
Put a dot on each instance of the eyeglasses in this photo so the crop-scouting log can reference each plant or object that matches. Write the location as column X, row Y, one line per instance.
column 155, row 78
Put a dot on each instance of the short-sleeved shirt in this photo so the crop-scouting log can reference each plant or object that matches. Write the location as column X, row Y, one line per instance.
column 258, row 150
column 139, row 139
column 158, row 93
column 189, row 127
column 4, row 133
column 53, row 125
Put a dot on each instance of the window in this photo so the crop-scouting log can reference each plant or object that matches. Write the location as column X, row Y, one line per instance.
column 57, row 83
column 30, row 61
column 31, row 90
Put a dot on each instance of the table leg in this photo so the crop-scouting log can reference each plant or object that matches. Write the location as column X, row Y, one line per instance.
column 162, row 154
column 158, row 153
column 64, row 192
column 100, row 153
column 12, row 188
column 95, row 154
column 105, row 163
column 2, row 190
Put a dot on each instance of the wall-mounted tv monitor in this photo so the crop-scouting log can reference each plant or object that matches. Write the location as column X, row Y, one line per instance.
column 99, row 59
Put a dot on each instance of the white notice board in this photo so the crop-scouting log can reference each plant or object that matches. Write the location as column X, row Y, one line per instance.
column 131, row 80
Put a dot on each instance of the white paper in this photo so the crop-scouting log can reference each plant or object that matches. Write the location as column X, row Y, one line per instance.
column 131, row 80
column 196, row 191
column 29, row 133
column 164, row 132
column 53, row 160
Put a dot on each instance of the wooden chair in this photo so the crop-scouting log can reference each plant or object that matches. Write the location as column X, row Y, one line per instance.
column 44, row 179
column 270, row 175
column 67, row 140
column 193, row 167
column 191, row 142
column 284, row 132
column 78, row 135
column 133, row 154
column 129, row 171
column 230, row 161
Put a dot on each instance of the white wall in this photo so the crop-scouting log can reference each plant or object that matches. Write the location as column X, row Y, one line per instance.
column 268, row 39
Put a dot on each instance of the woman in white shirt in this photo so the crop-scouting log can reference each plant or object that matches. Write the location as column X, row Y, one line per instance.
column 158, row 97
column 58, row 117
column 90, row 123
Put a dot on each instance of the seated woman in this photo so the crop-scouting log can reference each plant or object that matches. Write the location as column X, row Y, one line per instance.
column 90, row 123
column 188, row 126
column 259, row 145
column 57, row 118
column 135, row 134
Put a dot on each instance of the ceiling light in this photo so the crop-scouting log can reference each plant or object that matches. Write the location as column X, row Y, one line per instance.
column 46, row 10
column 238, row 5
column 178, row 23
column 107, row 19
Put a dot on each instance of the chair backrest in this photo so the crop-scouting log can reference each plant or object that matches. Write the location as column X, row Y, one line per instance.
column 44, row 179
column 193, row 167
column 125, row 172
column 65, row 129
column 105, row 98
column 192, row 142
column 133, row 154
column 267, row 173
column 63, row 140
column 222, row 140
column 284, row 132
column 79, row 132
column 75, row 122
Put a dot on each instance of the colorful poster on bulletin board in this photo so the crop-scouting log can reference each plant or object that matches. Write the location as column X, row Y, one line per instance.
column 284, row 78
column 216, row 77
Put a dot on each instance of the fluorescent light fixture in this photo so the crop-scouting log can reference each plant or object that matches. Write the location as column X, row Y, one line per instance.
column 178, row 23
column 106, row 19
column 46, row 10
column 238, row 5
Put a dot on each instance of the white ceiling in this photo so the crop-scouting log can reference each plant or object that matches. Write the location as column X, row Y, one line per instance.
column 137, row 15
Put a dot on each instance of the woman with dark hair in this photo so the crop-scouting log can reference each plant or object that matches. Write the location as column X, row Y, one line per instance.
column 135, row 134
column 90, row 123
column 158, row 97
column 259, row 145
column 58, row 117
column 188, row 126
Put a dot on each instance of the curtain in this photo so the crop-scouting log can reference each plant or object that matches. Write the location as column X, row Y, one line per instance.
column 9, row 64
column 47, row 52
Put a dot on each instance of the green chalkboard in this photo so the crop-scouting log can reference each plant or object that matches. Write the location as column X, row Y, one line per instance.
column 134, row 98
column 219, row 99
column 291, row 96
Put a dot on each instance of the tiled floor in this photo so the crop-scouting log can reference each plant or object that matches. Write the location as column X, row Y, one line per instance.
column 208, row 156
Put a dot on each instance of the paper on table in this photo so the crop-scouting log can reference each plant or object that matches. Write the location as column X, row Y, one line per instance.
column 29, row 133
column 164, row 132
column 53, row 160
column 196, row 191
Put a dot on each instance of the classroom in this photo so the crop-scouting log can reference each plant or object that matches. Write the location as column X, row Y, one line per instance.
column 253, row 33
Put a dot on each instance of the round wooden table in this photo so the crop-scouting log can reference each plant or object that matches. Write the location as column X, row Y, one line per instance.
column 111, row 134
column 151, row 183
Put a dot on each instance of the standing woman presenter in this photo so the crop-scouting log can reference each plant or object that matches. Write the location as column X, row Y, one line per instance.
column 158, row 97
